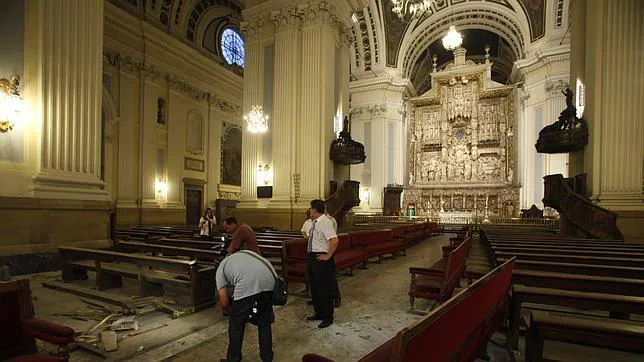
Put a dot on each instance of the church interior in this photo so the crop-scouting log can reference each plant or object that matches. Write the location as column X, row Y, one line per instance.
column 483, row 161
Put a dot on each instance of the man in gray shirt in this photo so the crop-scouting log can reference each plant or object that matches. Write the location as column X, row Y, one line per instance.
column 253, row 283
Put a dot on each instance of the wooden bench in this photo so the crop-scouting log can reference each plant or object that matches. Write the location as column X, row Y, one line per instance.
column 619, row 306
column 185, row 243
column 458, row 330
column 622, row 335
column 583, row 269
column 131, row 235
column 152, row 272
column 584, row 283
column 378, row 243
column 157, row 249
column 571, row 251
column 573, row 259
column 437, row 282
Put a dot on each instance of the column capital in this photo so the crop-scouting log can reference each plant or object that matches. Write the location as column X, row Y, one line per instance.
column 251, row 28
column 285, row 19
column 315, row 14
column 555, row 87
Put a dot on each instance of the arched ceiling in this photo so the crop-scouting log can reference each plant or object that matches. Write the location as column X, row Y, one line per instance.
column 196, row 21
column 515, row 24
column 474, row 41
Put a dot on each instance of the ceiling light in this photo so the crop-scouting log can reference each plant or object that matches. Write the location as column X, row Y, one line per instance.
column 453, row 39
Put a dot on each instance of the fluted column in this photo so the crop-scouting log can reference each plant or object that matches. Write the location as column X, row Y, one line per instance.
column 250, row 141
column 315, row 128
column 128, row 167
column 71, row 60
column 284, row 106
column 608, row 40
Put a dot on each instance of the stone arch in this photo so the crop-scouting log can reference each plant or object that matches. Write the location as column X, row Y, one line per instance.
column 508, row 24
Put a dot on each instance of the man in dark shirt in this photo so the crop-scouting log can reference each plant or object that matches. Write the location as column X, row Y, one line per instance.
column 242, row 234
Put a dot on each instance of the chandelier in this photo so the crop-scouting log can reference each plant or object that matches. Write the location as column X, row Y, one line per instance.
column 256, row 119
column 453, row 39
column 414, row 7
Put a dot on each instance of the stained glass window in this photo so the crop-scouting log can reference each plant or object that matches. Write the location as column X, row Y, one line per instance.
column 232, row 47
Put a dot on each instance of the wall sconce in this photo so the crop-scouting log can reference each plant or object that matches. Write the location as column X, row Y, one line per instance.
column 10, row 103
column 264, row 175
column 364, row 194
column 161, row 187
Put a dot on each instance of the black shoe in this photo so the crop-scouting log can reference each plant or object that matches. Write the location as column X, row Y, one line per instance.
column 314, row 318
column 325, row 323
column 310, row 302
column 336, row 303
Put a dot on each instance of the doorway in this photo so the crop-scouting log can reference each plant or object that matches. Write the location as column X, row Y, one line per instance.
column 194, row 202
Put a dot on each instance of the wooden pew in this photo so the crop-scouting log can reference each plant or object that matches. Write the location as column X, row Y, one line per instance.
column 583, row 269
column 573, row 259
column 438, row 283
column 131, row 235
column 558, row 246
column 616, row 305
column 184, row 243
column 624, row 336
column 151, row 272
column 585, row 283
column 570, row 251
column 157, row 249
column 458, row 330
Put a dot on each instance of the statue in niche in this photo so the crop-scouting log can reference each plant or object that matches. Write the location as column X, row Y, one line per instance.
column 510, row 175
column 160, row 110
column 411, row 178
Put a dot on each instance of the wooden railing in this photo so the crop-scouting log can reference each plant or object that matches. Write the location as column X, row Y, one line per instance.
column 457, row 222
column 343, row 199
column 580, row 216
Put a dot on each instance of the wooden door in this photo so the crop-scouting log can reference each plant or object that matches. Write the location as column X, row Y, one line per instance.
column 194, row 202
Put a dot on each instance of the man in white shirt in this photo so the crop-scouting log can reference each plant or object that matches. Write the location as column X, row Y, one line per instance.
column 322, row 244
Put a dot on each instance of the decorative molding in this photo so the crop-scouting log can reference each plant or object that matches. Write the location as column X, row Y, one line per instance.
column 250, row 28
column 555, row 87
column 229, row 192
column 372, row 110
column 225, row 106
column 315, row 14
column 285, row 19
column 194, row 164
column 188, row 89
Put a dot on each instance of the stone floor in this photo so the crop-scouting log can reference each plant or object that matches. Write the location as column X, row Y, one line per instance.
column 374, row 307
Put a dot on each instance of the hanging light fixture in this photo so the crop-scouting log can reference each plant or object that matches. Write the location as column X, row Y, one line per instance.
column 453, row 39
column 415, row 8
column 256, row 120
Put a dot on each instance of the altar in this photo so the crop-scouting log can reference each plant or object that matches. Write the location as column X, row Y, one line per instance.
column 461, row 152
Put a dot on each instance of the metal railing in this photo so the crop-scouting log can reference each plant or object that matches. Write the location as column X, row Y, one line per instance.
column 456, row 222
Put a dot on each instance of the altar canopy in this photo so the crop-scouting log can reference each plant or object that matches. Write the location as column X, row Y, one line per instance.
column 462, row 148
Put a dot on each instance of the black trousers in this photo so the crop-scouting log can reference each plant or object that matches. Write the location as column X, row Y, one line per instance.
column 322, row 279
column 335, row 289
column 239, row 313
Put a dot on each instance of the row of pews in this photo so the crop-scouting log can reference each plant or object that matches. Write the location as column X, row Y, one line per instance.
column 457, row 330
column 601, row 280
column 158, row 259
column 356, row 248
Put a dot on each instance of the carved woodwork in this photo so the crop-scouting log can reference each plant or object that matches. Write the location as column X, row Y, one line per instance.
column 568, row 134
column 392, row 200
column 345, row 150
column 579, row 216
column 343, row 200
column 532, row 212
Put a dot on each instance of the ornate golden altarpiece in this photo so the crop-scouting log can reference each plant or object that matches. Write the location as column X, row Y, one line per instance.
column 462, row 152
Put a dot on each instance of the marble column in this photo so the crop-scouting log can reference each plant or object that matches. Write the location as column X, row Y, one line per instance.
column 70, row 56
column 284, row 106
column 250, row 142
column 607, row 51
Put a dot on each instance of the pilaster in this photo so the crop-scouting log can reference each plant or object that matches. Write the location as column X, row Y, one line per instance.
column 70, row 57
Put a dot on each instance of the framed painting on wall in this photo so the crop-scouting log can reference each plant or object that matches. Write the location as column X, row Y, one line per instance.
column 194, row 164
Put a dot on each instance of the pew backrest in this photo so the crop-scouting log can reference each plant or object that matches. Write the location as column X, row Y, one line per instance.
column 459, row 328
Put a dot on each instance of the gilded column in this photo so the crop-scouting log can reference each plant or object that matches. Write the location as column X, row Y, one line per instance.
column 284, row 105
column 250, row 141
column 71, row 60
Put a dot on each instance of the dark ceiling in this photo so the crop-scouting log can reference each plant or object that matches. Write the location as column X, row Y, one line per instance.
column 474, row 41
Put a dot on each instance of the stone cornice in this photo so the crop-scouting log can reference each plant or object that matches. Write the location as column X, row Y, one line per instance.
column 251, row 28
column 133, row 65
column 543, row 58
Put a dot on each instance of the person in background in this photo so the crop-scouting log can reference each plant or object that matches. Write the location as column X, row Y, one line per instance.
column 243, row 235
column 306, row 227
column 322, row 244
column 252, row 301
column 207, row 224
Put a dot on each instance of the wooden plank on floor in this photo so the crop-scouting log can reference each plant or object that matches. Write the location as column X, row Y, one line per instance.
column 120, row 301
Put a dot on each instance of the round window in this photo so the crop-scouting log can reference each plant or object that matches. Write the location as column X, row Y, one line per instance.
column 232, row 47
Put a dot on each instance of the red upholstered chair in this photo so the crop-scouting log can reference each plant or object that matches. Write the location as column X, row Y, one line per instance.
column 19, row 329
